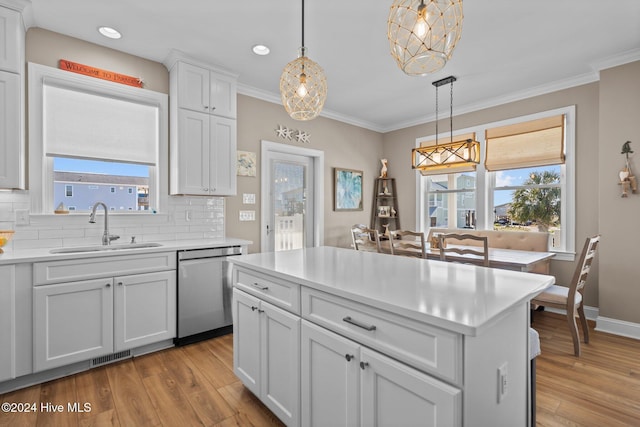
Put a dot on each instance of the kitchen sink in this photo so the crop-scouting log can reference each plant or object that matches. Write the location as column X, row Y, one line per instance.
column 103, row 248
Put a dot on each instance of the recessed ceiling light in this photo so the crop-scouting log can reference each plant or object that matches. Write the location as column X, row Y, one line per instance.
column 261, row 50
column 109, row 32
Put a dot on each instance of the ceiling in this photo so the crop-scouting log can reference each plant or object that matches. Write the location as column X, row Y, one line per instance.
column 509, row 50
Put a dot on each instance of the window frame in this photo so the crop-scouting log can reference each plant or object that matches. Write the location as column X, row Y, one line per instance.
column 486, row 181
column 41, row 173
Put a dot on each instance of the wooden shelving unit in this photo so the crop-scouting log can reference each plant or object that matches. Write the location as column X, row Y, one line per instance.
column 385, row 206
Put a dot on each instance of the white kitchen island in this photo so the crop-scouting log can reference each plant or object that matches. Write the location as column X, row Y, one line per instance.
column 329, row 336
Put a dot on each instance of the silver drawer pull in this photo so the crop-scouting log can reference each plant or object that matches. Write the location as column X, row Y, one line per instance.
column 363, row 365
column 348, row 319
column 349, row 357
column 259, row 286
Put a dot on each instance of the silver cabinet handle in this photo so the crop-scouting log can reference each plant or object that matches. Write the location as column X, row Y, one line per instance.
column 363, row 365
column 120, row 283
column 348, row 319
column 349, row 357
column 259, row 286
column 108, row 285
column 254, row 308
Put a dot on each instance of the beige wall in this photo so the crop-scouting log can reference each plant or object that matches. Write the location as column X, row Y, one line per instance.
column 48, row 48
column 398, row 145
column 619, row 217
column 344, row 146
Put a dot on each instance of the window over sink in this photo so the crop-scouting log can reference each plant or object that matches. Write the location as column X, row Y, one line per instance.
column 106, row 141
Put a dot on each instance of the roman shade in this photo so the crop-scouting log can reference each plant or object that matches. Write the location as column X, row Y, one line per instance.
column 444, row 168
column 534, row 143
column 91, row 126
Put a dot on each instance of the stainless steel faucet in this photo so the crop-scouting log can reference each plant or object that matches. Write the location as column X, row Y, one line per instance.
column 106, row 237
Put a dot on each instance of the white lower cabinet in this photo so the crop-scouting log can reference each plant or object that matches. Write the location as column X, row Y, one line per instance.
column 81, row 320
column 145, row 309
column 346, row 384
column 72, row 322
column 8, row 323
column 266, row 354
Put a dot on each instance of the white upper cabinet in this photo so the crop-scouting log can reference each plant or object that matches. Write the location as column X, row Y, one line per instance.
column 11, row 139
column 12, row 42
column 207, row 91
column 202, row 130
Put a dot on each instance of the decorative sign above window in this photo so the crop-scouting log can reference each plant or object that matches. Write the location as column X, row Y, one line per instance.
column 293, row 135
column 100, row 73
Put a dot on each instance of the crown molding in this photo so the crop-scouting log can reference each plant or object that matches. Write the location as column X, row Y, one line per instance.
column 176, row 55
column 275, row 99
column 22, row 6
column 616, row 60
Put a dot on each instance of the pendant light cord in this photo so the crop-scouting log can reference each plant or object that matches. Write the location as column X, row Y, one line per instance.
column 303, row 24
column 436, row 115
column 451, row 115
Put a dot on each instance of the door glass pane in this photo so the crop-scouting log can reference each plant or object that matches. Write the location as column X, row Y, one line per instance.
column 289, row 192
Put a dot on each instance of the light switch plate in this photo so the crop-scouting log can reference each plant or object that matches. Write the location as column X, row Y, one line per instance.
column 247, row 215
column 249, row 198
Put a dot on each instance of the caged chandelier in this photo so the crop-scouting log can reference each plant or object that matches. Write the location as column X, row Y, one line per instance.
column 454, row 156
column 423, row 33
column 303, row 86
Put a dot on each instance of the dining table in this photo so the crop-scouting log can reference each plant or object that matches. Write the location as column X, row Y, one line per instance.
column 506, row 259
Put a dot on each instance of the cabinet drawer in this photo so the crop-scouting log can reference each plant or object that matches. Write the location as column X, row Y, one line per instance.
column 279, row 292
column 425, row 347
column 70, row 270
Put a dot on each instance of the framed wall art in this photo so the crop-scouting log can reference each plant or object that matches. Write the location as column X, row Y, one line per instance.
column 347, row 190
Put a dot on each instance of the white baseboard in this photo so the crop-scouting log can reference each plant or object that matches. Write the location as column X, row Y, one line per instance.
column 606, row 324
column 618, row 327
column 590, row 312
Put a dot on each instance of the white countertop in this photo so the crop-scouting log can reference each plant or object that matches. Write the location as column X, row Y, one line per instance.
column 457, row 297
column 44, row 254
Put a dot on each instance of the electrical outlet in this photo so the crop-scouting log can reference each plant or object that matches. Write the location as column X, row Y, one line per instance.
column 249, row 198
column 247, row 215
column 22, row 216
column 503, row 382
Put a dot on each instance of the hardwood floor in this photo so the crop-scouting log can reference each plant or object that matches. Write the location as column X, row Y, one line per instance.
column 195, row 386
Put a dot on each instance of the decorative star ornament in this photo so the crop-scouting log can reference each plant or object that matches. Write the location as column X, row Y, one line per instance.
column 302, row 137
column 288, row 133
column 281, row 131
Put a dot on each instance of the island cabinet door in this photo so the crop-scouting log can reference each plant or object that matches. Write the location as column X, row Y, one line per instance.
column 246, row 340
column 330, row 378
column 394, row 394
column 72, row 322
column 280, row 362
column 145, row 309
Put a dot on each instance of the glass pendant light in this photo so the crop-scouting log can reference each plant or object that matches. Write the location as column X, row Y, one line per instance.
column 303, row 85
column 422, row 34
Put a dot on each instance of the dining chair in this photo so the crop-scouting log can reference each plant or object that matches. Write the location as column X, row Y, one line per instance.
column 571, row 298
column 408, row 243
column 365, row 239
column 479, row 251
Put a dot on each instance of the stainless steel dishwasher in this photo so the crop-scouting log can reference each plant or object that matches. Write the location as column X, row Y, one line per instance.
column 204, row 293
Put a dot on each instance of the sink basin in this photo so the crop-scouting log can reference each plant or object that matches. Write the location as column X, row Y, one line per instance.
column 101, row 248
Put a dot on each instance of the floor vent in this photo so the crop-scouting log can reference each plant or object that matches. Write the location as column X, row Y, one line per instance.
column 103, row 360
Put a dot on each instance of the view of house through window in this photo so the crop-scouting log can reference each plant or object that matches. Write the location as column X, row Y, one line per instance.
column 78, row 184
column 451, row 200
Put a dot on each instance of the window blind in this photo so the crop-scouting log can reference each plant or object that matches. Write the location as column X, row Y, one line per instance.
column 450, row 169
column 534, row 143
column 85, row 125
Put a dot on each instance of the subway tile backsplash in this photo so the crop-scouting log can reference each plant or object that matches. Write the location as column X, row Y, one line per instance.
column 186, row 218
